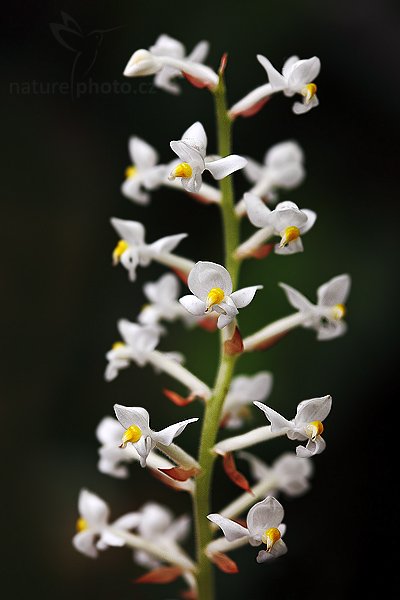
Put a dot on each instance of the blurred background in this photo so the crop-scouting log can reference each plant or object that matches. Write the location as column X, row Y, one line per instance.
column 64, row 157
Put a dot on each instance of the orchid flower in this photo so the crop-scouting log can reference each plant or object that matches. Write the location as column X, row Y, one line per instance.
column 93, row 524
column 307, row 424
column 287, row 473
column 211, row 286
column 138, row 346
column 135, row 421
column 191, row 150
column 243, row 392
column 326, row 317
column 286, row 221
column 264, row 526
column 132, row 250
column 167, row 60
column 145, row 174
column 297, row 77
column 163, row 297
column 157, row 524
column 283, row 168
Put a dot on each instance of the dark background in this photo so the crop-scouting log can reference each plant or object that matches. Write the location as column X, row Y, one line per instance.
column 63, row 162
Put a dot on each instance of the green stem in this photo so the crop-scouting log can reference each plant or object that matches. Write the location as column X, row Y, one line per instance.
column 213, row 411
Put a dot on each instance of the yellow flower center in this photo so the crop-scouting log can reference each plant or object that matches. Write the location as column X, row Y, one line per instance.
column 339, row 311
column 130, row 171
column 132, row 435
column 117, row 345
column 309, row 92
column 215, row 296
column 81, row 524
column 270, row 537
column 290, row 234
column 182, row 170
column 119, row 250
column 313, row 429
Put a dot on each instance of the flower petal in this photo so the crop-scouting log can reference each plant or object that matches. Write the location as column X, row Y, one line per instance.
column 131, row 188
column 264, row 515
column 167, row 435
column 291, row 248
column 207, row 275
column 196, row 137
column 296, row 299
column 133, row 415
column 143, row 155
column 277, row 421
column 244, row 296
column 109, row 431
column 132, row 232
column 253, row 170
column 167, row 243
column 277, row 80
column 193, row 305
column 84, row 543
column 222, row 167
column 335, row 291
column 289, row 63
column 312, row 448
column 311, row 218
column 232, row 531
column 93, row 509
column 278, row 549
column 286, row 214
column 188, row 153
column 304, row 72
column 224, row 320
column 257, row 211
column 315, row 409
column 331, row 329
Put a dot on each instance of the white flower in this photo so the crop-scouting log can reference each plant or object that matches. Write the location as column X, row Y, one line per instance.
column 307, row 424
column 93, row 524
column 264, row 526
column 132, row 250
column 211, row 286
column 326, row 317
column 243, row 391
column 288, row 474
column 112, row 458
column 297, row 78
column 135, row 420
column 286, row 221
column 167, row 60
column 144, row 171
column 138, row 342
column 156, row 523
column 191, row 150
column 163, row 297
column 283, row 168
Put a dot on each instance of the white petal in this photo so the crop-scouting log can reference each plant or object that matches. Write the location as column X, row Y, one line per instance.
column 84, row 543
column 199, row 52
column 109, row 431
column 207, row 275
column 284, row 153
column 193, row 184
column 232, row 531
column 286, row 214
column 141, row 63
column 291, row 248
column 225, row 166
column 130, row 259
column 188, row 154
column 224, row 320
column 196, row 137
column 304, row 72
column 141, row 339
column 312, row 448
column 128, row 521
column 277, row 80
column 179, row 529
column 311, row 218
column 289, row 63
column 300, row 108
column 244, row 296
column 166, row 436
column 132, row 415
column 143, row 447
column 257, row 212
column 331, row 329
column 131, row 188
column 253, row 170
column 296, row 299
column 315, row 409
column 193, row 305
column 277, row 421
column 278, row 549
column 167, row 243
column 93, row 509
column 143, row 155
column 166, row 288
column 335, row 291
column 132, row 232
column 168, row 45
column 264, row 515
